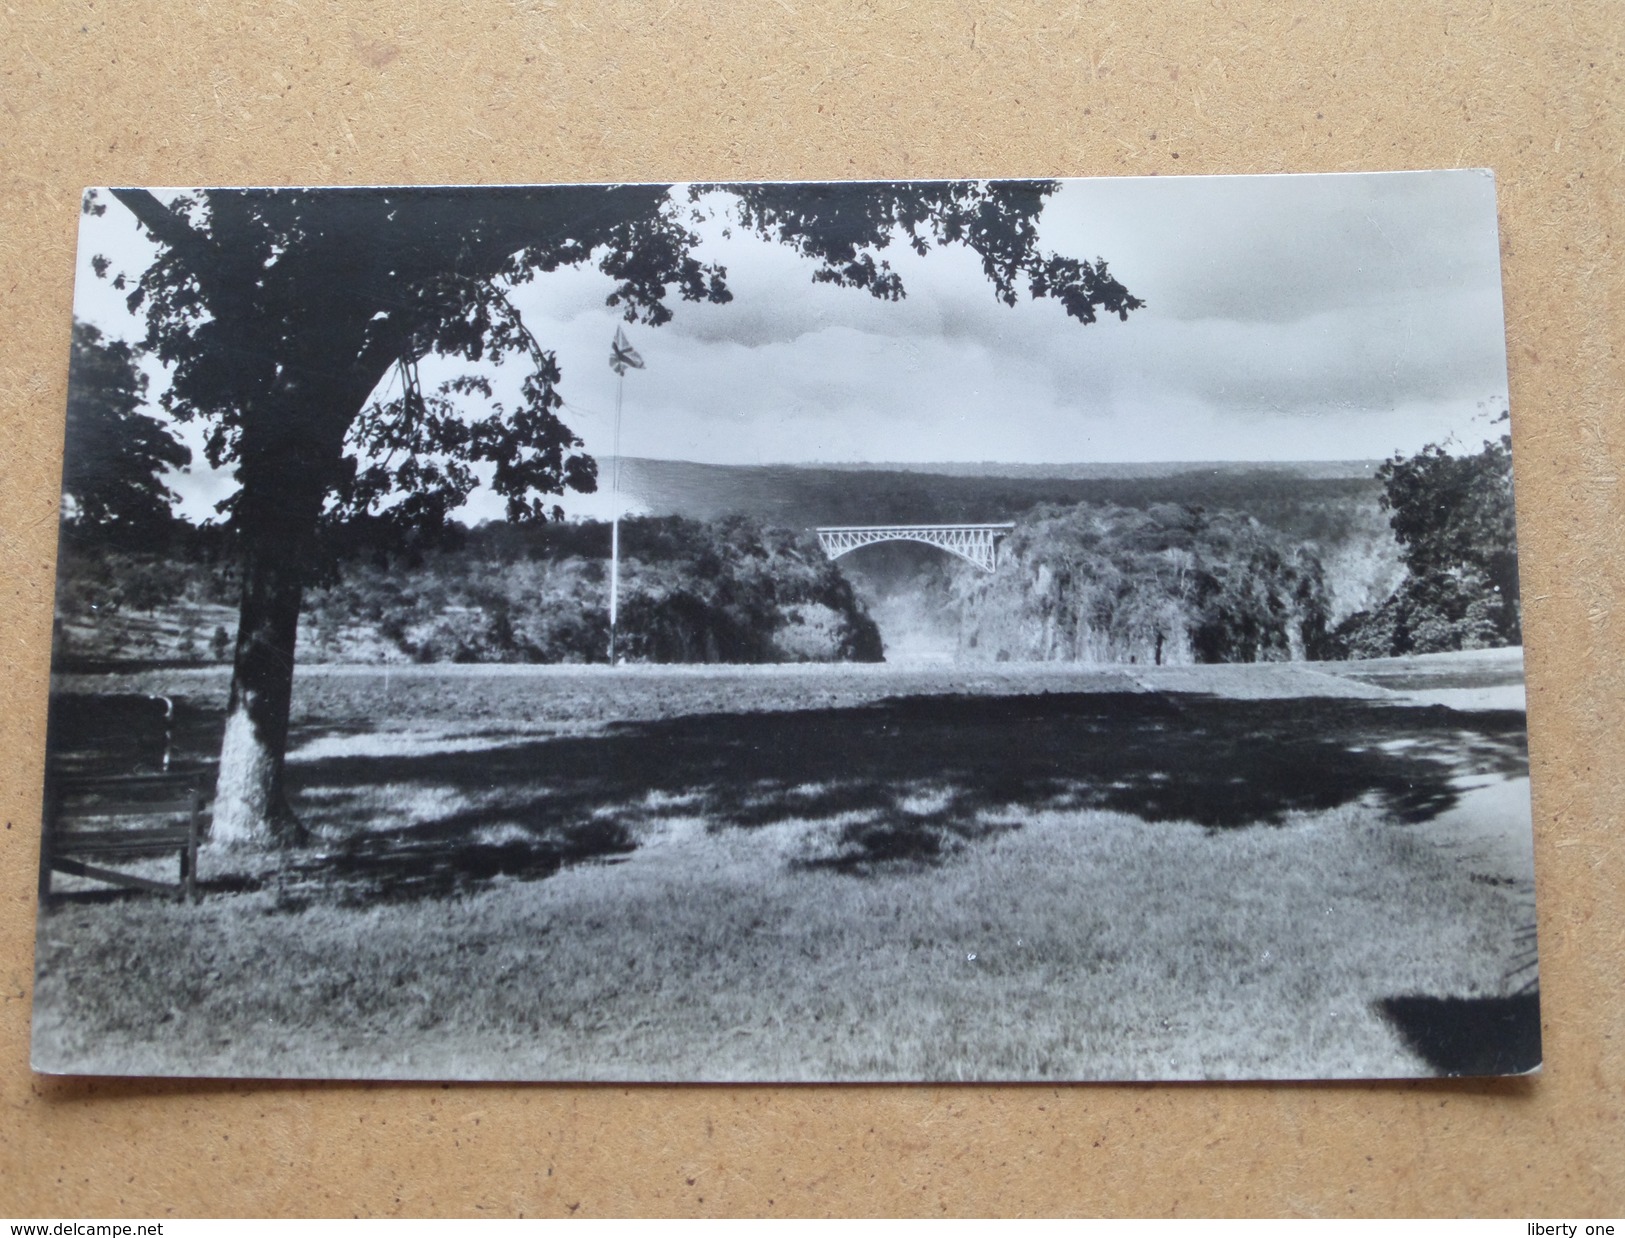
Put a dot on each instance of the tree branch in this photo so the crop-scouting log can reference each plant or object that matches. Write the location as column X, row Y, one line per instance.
column 194, row 248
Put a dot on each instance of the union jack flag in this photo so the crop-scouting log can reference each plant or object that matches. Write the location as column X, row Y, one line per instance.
column 622, row 356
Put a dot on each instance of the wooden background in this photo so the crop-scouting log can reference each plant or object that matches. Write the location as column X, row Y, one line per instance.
column 313, row 91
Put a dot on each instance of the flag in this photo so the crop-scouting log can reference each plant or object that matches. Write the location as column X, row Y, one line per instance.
column 622, row 356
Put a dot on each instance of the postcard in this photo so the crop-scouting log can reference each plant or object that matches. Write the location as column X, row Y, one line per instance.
column 907, row 630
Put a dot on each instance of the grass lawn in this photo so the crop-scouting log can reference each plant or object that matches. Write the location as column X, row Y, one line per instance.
column 1016, row 874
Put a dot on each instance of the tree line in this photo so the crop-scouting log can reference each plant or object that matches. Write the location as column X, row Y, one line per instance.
column 718, row 591
column 1165, row 584
column 1102, row 583
column 1172, row 583
column 1148, row 582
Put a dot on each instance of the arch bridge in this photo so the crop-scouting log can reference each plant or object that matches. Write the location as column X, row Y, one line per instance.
column 975, row 543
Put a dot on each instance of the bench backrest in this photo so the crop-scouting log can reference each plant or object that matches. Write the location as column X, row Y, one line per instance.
column 79, row 796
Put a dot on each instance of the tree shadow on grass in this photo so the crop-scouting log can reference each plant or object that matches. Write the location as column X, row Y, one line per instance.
column 911, row 779
column 914, row 778
column 1470, row 1035
column 867, row 847
column 404, row 867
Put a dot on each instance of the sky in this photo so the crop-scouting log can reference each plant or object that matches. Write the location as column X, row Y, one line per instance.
column 1326, row 317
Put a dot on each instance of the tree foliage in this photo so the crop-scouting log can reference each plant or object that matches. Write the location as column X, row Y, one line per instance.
column 113, row 470
column 1456, row 513
column 720, row 591
column 280, row 312
column 1455, row 520
column 846, row 227
column 258, row 295
column 735, row 591
column 1164, row 584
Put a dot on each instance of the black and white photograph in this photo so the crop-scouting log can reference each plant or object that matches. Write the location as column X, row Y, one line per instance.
column 831, row 632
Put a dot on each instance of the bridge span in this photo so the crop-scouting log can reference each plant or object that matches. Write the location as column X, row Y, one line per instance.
column 975, row 543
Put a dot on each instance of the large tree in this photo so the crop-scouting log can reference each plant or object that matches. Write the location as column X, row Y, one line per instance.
column 1455, row 520
column 280, row 314
column 1455, row 515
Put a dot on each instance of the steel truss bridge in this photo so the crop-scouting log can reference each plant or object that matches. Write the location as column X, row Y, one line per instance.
column 975, row 543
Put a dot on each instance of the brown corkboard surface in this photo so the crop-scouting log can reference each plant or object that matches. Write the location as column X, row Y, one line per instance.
column 242, row 92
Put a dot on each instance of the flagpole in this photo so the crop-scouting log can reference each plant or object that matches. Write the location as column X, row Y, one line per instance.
column 615, row 522
column 622, row 356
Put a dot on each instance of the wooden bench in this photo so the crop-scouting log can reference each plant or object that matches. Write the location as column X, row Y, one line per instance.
column 122, row 818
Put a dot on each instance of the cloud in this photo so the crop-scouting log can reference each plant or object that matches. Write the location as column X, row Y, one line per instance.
column 1287, row 317
column 1282, row 248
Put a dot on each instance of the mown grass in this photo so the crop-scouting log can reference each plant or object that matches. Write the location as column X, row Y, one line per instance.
column 1030, row 877
column 1083, row 944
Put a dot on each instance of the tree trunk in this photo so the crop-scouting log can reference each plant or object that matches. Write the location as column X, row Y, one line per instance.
column 251, row 806
column 287, row 466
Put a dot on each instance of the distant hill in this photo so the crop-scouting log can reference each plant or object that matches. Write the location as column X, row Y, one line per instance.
column 1097, row 470
column 1305, row 500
